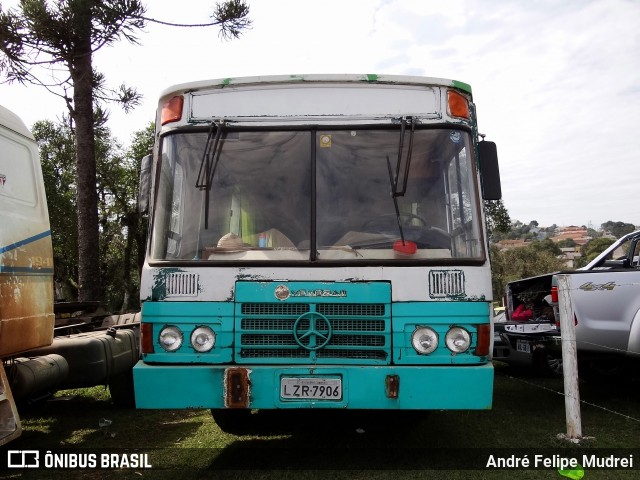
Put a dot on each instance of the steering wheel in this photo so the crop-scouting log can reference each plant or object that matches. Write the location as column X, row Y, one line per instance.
column 388, row 221
column 423, row 235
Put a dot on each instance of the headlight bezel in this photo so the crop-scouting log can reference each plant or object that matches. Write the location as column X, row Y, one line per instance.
column 207, row 346
column 167, row 332
column 416, row 340
column 453, row 335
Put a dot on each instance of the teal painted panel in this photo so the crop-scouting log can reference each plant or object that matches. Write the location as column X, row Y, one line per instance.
column 440, row 316
column 187, row 316
column 179, row 310
column 444, row 310
column 316, row 292
column 406, row 318
column 178, row 386
column 437, row 387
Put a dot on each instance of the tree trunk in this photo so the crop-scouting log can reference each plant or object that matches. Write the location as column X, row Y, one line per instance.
column 131, row 220
column 88, row 233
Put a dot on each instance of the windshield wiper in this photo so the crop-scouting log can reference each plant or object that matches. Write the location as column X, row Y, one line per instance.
column 395, row 191
column 209, row 163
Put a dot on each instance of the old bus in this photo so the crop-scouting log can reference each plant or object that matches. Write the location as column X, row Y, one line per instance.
column 316, row 242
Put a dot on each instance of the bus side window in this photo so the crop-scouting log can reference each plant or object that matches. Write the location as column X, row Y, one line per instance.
column 20, row 189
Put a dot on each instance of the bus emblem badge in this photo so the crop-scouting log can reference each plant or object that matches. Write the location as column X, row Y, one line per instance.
column 312, row 331
column 282, row 292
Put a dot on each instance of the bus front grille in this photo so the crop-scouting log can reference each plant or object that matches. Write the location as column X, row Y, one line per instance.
column 279, row 333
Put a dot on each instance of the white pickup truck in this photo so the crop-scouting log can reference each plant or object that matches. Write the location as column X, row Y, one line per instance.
column 606, row 302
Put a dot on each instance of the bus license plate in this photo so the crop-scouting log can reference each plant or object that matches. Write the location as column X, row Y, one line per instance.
column 304, row 388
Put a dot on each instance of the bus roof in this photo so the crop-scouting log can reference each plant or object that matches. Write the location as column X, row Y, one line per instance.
column 10, row 120
column 319, row 78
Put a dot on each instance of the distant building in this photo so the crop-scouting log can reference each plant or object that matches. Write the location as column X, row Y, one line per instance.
column 507, row 244
column 579, row 235
column 569, row 254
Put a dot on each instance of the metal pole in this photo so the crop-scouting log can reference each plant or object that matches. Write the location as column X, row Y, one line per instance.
column 569, row 358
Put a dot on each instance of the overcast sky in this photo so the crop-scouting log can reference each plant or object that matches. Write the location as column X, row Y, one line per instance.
column 556, row 82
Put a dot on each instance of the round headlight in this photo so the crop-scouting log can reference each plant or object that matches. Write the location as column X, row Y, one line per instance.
column 170, row 338
column 203, row 339
column 458, row 340
column 424, row 340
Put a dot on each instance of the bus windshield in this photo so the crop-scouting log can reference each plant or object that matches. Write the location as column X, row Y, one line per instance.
column 317, row 195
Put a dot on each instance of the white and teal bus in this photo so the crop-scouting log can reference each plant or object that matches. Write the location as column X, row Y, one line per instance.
column 317, row 242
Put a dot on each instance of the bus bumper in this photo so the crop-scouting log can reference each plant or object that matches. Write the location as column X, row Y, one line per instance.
column 360, row 387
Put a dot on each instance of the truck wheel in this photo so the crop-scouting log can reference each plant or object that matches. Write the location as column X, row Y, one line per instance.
column 549, row 364
column 237, row 421
column 121, row 389
column 554, row 364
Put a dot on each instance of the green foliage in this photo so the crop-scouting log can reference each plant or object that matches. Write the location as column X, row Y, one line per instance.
column 53, row 34
column 619, row 229
column 232, row 16
column 593, row 233
column 518, row 230
column 592, row 249
column 546, row 245
column 522, row 262
column 498, row 220
column 122, row 234
column 51, row 44
column 566, row 243
column 57, row 156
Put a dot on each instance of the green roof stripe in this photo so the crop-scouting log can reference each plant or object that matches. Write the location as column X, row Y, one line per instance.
column 462, row 86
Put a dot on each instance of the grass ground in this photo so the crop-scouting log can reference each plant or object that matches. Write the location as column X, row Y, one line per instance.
column 527, row 416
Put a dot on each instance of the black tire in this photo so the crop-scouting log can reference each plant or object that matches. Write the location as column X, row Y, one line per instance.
column 550, row 364
column 122, row 391
column 236, row 421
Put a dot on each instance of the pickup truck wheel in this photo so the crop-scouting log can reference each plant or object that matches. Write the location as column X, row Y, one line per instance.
column 554, row 364
column 549, row 364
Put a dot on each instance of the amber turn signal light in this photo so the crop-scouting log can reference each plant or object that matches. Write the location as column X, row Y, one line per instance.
column 458, row 104
column 172, row 110
column 484, row 340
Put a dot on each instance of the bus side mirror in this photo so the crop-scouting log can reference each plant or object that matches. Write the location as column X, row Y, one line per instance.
column 144, row 191
column 489, row 171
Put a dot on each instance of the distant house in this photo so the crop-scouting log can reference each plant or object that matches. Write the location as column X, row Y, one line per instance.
column 579, row 235
column 569, row 254
column 507, row 244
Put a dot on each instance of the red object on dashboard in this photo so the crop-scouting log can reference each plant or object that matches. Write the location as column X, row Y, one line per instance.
column 405, row 247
